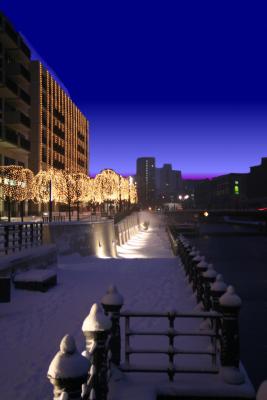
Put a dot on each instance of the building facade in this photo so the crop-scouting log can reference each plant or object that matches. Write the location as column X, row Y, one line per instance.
column 15, row 99
column 222, row 192
column 59, row 134
column 146, row 181
column 168, row 184
column 257, row 184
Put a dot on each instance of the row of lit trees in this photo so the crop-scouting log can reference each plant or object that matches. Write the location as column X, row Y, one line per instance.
column 19, row 184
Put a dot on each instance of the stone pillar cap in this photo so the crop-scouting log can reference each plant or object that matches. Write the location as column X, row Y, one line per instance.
column 230, row 298
column 219, row 285
column 68, row 363
column 210, row 273
column 112, row 297
column 96, row 320
column 262, row 391
column 202, row 264
column 198, row 257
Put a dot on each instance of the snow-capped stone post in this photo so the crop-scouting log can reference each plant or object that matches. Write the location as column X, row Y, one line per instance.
column 96, row 328
column 262, row 391
column 208, row 277
column 186, row 253
column 112, row 302
column 192, row 253
column 68, row 371
column 195, row 272
column 194, row 261
column 217, row 289
column 230, row 304
column 201, row 267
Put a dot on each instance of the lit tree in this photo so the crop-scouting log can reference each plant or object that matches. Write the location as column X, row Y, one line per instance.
column 132, row 191
column 49, row 186
column 80, row 187
column 107, row 186
column 16, row 185
column 89, row 190
column 124, row 191
column 68, row 190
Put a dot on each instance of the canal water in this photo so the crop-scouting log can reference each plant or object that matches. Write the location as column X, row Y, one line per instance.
column 240, row 255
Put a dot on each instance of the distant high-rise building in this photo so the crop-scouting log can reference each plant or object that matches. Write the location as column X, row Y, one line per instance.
column 59, row 134
column 169, row 183
column 15, row 100
column 145, row 178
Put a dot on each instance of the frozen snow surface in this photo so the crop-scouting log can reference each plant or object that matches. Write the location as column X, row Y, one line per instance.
column 149, row 278
column 38, row 275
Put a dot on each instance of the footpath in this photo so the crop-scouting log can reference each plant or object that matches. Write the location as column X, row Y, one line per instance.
column 151, row 279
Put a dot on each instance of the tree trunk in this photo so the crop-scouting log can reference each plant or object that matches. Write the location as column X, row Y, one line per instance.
column 9, row 209
column 22, row 210
column 78, row 210
column 69, row 209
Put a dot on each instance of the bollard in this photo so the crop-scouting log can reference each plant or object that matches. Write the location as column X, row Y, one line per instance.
column 217, row 289
column 201, row 267
column 194, row 261
column 230, row 305
column 96, row 328
column 191, row 254
column 68, row 371
column 195, row 272
column 186, row 256
column 208, row 277
column 262, row 391
column 112, row 302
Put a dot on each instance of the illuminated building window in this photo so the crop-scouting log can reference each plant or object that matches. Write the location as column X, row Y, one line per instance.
column 236, row 189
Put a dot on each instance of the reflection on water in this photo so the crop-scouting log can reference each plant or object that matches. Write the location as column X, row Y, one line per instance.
column 240, row 254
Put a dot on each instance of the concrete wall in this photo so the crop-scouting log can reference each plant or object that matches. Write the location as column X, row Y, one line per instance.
column 128, row 227
column 86, row 238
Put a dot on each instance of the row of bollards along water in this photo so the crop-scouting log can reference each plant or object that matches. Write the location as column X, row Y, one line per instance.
column 212, row 294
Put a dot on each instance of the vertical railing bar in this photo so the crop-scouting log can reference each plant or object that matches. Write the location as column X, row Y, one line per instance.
column 13, row 238
column 127, row 339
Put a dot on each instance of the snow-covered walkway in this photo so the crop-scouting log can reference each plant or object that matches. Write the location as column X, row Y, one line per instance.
column 33, row 324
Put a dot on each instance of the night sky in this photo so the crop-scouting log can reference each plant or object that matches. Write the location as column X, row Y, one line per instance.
column 184, row 81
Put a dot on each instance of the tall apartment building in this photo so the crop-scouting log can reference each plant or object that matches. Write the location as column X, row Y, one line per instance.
column 145, row 178
column 15, row 100
column 59, row 134
column 168, row 184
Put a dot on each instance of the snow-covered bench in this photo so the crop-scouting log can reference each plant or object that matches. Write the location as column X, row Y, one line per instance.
column 38, row 279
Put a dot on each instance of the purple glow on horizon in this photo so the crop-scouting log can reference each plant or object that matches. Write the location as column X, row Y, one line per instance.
column 193, row 138
column 200, row 176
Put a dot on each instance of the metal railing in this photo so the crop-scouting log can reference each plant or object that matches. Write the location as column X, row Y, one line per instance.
column 171, row 351
column 20, row 235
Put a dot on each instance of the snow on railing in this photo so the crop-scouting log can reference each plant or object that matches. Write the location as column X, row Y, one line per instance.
column 85, row 376
column 17, row 236
column 171, row 351
column 218, row 309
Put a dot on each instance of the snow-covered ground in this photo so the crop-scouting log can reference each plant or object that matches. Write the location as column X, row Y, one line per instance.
column 32, row 325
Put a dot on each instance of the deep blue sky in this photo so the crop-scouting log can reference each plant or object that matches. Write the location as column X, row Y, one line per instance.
column 184, row 81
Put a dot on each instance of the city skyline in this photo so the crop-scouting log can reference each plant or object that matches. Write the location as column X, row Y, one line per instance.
column 187, row 87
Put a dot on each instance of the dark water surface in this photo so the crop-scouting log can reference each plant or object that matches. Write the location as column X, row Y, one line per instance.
column 242, row 259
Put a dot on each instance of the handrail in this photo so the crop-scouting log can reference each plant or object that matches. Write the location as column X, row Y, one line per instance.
column 20, row 235
column 171, row 351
